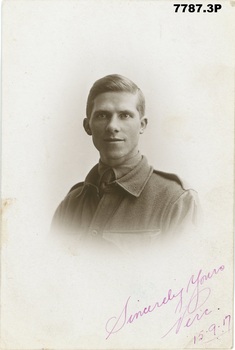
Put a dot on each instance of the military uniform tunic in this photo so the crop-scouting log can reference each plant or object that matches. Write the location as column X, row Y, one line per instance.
column 135, row 208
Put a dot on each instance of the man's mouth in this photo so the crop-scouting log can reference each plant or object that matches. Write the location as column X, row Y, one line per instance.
column 111, row 139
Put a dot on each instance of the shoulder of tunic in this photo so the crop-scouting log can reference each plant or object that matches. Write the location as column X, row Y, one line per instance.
column 75, row 191
column 172, row 180
column 77, row 186
column 182, row 205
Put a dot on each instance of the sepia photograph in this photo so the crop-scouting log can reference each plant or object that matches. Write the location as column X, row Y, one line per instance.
column 123, row 200
column 117, row 174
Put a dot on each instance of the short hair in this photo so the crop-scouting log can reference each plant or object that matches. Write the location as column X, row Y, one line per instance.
column 115, row 83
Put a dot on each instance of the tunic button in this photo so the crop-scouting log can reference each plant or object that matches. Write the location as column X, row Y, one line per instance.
column 94, row 233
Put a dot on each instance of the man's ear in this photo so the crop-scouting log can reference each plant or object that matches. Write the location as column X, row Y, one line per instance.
column 86, row 126
column 143, row 124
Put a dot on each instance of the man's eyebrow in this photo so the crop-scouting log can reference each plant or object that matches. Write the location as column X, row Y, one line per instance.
column 100, row 111
column 121, row 111
column 126, row 111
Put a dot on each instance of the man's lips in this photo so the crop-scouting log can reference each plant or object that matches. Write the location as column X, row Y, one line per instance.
column 110, row 139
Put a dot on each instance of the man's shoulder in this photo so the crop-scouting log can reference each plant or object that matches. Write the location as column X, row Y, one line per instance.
column 170, row 179
column 168, row 186
column 77, row 187
column 75, row 191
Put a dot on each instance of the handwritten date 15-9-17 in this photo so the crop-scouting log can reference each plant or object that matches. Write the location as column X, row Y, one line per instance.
column 214, row 331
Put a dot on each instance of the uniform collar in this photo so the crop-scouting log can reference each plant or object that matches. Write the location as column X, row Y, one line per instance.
column 133, row 182
column 121, row 170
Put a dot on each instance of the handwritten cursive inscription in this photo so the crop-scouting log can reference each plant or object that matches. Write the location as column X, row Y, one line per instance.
column 214, row 331
column 190, row 305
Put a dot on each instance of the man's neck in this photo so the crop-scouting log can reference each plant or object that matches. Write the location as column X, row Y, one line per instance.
column 122, row 169
column 114, row 163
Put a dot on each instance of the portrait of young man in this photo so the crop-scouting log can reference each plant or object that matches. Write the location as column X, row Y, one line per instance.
column 123, row 201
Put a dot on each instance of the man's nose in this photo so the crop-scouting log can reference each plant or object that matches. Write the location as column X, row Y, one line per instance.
column 113, row 124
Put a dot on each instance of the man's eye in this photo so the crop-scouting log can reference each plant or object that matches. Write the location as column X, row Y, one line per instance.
column 101, row 116
column 124, row 115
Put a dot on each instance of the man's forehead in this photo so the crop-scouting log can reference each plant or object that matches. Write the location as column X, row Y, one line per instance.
column 115, row 99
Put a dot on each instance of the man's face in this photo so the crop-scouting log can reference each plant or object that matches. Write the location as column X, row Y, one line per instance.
column 115, row 125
